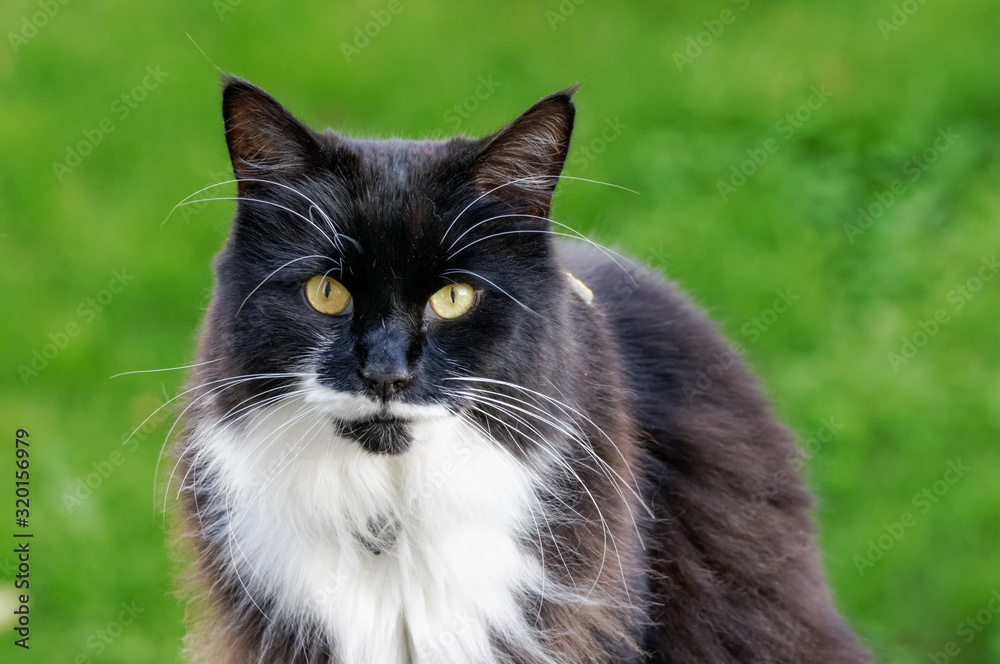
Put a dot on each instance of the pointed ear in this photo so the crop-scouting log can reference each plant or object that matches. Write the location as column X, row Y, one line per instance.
column 521, row 163
column 264, row 139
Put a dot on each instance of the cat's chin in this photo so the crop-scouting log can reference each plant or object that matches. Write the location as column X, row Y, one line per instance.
column 378, row 435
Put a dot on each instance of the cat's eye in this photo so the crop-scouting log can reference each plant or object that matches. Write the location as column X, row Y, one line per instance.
column 453, row 300
column 327, row 295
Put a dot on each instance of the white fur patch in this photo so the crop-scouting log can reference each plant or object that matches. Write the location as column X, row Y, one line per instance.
column 581, row 289
column 449, row 512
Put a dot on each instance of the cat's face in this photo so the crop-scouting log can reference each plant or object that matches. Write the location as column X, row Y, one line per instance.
column 371, row 274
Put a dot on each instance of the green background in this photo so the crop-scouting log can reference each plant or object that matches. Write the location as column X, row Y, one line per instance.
column 672, row 129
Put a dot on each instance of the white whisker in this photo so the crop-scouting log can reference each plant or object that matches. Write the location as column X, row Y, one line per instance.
column 294, row 260
column 561, row 404
column 313, row 204
column 600, row 514
column 573, row 234
column 479, row 276
column 186, row 366
column 528, row 179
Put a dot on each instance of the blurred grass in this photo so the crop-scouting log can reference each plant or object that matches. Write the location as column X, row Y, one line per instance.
column 680, row 133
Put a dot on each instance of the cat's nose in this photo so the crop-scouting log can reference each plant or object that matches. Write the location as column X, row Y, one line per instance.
column 385, row 382
column 385, row 361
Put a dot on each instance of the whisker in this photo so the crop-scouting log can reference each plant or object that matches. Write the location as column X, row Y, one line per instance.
column 226, row 383
column 604, row 524
column 245, row 411
column 531, row 231
column 298, row 415
column 313, row 204
column 606, row 184
column 294, row 260
column 231, row 523
column 269, row 440
column 606, row 533
column 479, row 276
column 602, row 465
column 574, row 434
column 479, row 198
column 525, row 179
column 186, row 366
column 265, row 202
column 540, row 441
column 201, row 385
column 574, row 234
column 289, row 453
column 534, row 520
column 561, row 405
column 236, row 570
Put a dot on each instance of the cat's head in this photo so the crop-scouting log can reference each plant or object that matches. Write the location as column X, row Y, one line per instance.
column 370, row 274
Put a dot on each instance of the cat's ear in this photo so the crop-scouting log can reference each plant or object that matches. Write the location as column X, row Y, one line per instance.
column 264, row 139
column 522, row 162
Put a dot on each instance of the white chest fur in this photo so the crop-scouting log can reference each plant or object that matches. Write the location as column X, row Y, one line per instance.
column 307, row 509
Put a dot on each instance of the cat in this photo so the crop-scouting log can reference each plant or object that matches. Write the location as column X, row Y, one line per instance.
column 425, row 428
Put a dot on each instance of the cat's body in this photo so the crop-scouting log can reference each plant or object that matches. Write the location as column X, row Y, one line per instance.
column 547, row 477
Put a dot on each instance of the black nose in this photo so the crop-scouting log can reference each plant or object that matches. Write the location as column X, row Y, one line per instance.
column 386, row 382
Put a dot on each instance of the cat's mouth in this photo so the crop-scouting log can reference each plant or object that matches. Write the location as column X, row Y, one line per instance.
column 380, row 434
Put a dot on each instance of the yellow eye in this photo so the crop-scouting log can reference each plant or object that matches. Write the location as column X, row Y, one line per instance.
column 327, row 295
column 453, row 300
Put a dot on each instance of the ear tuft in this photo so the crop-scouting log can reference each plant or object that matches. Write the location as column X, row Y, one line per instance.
column 522, row 162
column 264, row 139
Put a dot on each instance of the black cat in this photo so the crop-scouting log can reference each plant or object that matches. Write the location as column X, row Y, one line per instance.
column 427, row 430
